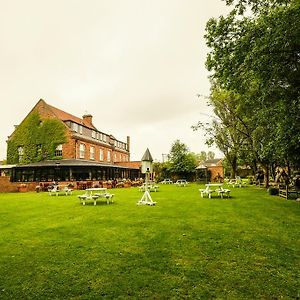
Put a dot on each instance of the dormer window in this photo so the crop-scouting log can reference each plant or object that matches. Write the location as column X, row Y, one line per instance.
column 80, row 129
column 75, row 127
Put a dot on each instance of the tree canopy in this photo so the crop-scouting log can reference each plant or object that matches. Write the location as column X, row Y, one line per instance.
column 254, row 61
column 181, row 161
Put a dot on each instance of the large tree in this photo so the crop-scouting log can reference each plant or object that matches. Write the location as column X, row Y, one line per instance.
column 256, row 57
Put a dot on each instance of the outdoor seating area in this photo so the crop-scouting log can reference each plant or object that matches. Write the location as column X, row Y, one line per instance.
column 59, row 190
column 150, row 187
column 95, row 194
column 209, row 191
column 102, row 219
column 235, row 182
column 167, row 181
column 181, row 182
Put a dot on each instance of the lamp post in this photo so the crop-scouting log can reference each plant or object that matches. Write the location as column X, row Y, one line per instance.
column 147, row 168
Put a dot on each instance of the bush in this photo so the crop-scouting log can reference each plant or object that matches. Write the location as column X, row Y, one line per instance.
column 273, row 191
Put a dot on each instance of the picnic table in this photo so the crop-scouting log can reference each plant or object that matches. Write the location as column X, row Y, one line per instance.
column 59, row 190
column 236, row 182
column 219, row 190
column 149, row 187
column 181, row 182
column 94, row 194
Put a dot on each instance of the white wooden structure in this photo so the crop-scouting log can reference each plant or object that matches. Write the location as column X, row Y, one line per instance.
column 147, row 168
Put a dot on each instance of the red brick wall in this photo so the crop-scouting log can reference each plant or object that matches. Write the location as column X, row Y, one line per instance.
column 6, row 186
column 71, row 147
column 215, row 170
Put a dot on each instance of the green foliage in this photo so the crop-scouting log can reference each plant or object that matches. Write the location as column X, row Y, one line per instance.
column 161, row 170
column 254, row 60
column 256, row 6
column 185, row 247
column 181, row 161
column 37, row 138
column 203, row 156
column 273, row 191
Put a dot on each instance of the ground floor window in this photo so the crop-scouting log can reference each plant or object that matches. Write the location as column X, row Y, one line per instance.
column 75, row 173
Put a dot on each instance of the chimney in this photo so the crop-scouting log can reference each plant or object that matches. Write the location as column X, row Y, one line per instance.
column 87, row 120
column 128, row 147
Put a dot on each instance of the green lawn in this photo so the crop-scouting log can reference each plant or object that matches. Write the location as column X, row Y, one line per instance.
column 244, row 247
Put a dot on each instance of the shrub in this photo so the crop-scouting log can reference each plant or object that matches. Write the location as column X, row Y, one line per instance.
column 273, row 191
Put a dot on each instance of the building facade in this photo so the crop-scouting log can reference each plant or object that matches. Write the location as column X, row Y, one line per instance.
column 69, row 148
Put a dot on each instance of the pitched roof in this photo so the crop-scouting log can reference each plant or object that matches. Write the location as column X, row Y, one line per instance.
column 147, row 156
column 71, row 163
column 64, row 116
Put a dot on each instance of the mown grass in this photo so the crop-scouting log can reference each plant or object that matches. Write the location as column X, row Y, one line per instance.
column 244, row 247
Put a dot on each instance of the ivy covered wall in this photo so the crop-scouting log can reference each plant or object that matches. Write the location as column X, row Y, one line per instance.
column 37, row 138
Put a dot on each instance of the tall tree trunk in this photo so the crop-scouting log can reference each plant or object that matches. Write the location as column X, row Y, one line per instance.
column 254, row 167
column 233, row 163
column 267, row 174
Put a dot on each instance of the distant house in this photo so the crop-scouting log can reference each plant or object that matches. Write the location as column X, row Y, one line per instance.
column 51, row 144
column 212, row 169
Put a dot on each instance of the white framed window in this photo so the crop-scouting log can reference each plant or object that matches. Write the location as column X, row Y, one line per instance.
column 20, row 153
column 75, row 127
column 101, row 155
column 104, row 138
column 81, row 151
column 108, row 155
column 100, row 136
column 80, row 129
column 58, row 150
column 115, row 157
column 93, row 134
column 92, row 152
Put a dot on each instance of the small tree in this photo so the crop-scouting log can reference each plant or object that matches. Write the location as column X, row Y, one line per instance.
column 182, row 163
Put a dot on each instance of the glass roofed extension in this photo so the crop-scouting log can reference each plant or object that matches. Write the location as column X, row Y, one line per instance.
column 71, row 170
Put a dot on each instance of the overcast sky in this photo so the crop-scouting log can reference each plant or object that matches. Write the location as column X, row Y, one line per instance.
column 135, row 65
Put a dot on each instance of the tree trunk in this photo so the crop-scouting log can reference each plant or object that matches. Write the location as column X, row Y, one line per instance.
column 267, row 173
column 254, row 167
column 233, row 163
